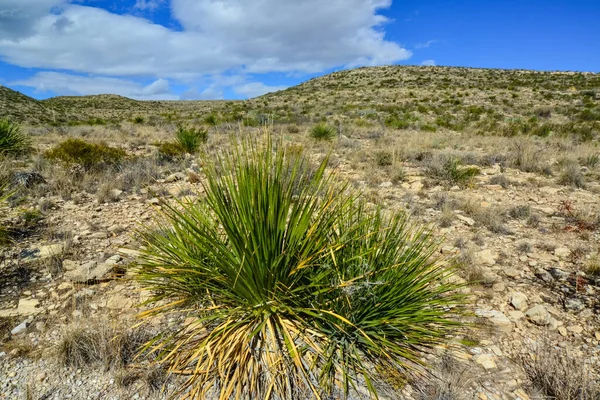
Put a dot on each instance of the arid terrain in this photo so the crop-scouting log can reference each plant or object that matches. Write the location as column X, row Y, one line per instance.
column 504, row 165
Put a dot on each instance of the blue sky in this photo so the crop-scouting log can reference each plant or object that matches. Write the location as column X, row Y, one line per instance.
column 214, row 49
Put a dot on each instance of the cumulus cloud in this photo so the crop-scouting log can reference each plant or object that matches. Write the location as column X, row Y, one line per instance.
column 84, row 85
column 18, row 17
column 254, row 89
column 217, row 38
column 218, row 35
column 428, row 63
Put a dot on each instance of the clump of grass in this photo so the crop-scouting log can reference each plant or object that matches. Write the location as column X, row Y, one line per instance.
column 169, row 151
column 13, row 142
column 100, row 344
column 323, row 132
column 291, row 283
column 190, row 139
column 450, row 171
column 520, row 212
column 571, row 175
column 90, row 156
column 384, row 158
column 559, row 376
column 501, row 180
column 591, row 161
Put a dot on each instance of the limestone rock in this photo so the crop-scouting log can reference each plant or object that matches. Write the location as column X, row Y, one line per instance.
column 518, row 300
column 486, row 257
column 89, row 271
column 486, row 361
column 538, row 315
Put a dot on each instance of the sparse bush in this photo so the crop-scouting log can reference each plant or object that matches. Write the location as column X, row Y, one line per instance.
column 90, row 156
column 571, row 176
column 335, row 283
column 556, row 374
column 190, row 139
column 13, row 142
column 211, row 119
column 138, row 120
column 169, row 151
column 384, row 158
column 449, row 170
column 323, row 132
column 591, row 161
column 100, row 344
column 500, row 180
column 520, row 212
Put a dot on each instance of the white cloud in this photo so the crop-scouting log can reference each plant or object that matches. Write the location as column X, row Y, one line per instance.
column 255, row 89
column 84, row 85
column 425, row 44
column 428, row 63
column 147, row 4
column 18, row 17
column 218, row 36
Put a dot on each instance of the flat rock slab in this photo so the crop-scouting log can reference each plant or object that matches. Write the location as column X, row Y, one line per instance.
column 25, row 307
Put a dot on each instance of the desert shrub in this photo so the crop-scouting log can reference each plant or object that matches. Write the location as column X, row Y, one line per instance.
column 12, row 139
column 571, row 175
column 591, row 161
column 384, row 158
column 323, row 131
column 288, row 283
column 501, row 180
column 169, row 151
column 190, row 139
column 138, row 120
column 89, row 155
column 211, row 119
column 520, row 212
column 445, row 169
column 559, row 376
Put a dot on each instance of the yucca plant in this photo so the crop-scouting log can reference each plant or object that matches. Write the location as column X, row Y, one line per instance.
column 190, row 139
column 12, row 139
column 323, row 131
column 287, row 285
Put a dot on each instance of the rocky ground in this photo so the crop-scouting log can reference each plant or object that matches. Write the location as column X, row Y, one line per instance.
column 523, row 240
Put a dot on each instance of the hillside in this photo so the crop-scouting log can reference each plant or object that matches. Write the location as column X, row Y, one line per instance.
column 485, row 101
column 16, row 106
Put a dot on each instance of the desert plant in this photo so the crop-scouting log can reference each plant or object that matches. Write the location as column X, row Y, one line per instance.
column 169, row 151
column 384, row 158
column 12, row 139
column 190, row 139
column 449, row 170
column 288, row 283
column 560, row 376
column 89, row 155
column 323, row 132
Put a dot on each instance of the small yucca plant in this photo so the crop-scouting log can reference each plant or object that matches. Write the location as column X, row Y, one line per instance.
column 12, row 139
column 190, row 139
column 289, row 286
column 323, row 132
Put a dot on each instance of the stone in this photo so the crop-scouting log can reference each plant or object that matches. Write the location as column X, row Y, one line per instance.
column 562, row 330
column 115, row 193
column 538, row 315
column 499, row 287
column 577, row 329
column 119, row 301
column 51, row 250
column 486, row 257
column 488, row 277
column 98, row 235
column 22, row 327
column 501, row 322
column 518, row 300
column 512, row 273
column 544, row 275
column 562, row 252
column 40, row 326
column 516, row 315
column 486, row 361
column 154, row 201
column 177, row 176
column 88, row 272
column 114, row 260
column 574, row 305
column 386, row 184
column 468, row 221
column 559, row 274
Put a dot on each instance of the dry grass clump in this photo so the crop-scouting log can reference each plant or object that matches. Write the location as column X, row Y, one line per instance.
column 451, row 380
column 571, row 175
column 323, row 132
column 13, row 142
column 448, row 170
column 100, row 343
column 554, row 373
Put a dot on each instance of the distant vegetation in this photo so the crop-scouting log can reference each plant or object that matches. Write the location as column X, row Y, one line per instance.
column 480, row 101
